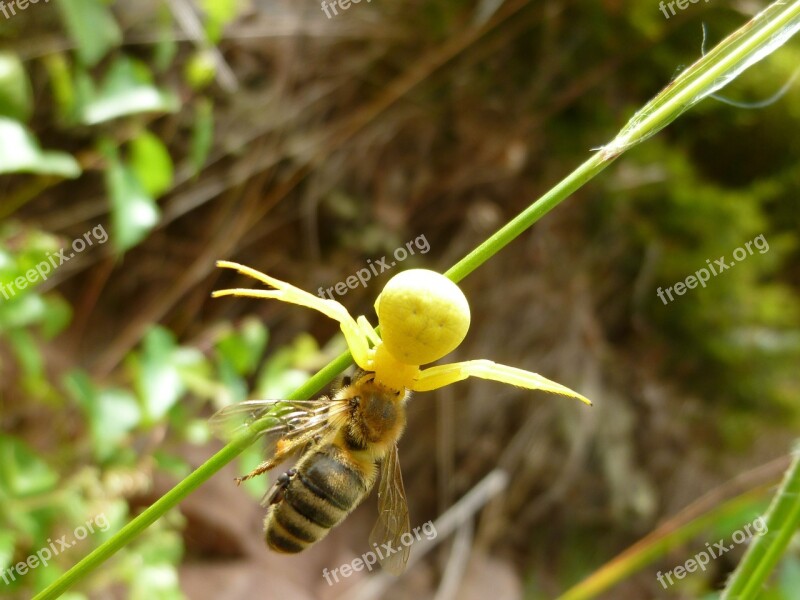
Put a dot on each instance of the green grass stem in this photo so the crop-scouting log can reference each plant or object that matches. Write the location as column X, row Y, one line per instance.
column 782, row 523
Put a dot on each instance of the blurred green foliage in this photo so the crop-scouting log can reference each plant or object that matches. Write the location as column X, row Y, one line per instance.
column 742, row 321
column 48, row 493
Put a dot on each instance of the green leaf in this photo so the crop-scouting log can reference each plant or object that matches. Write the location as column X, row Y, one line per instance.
column 24, row 307
column 285, row 369
column 80, row 387
column 156, row 581
column 127, row 90
column 790, row 575
column 279, row 383
column 255, row 336
column 92, row 28
column 20, row 153
column 152, row 164
column 202, row 133
column 111, row 413
column 174, row 465
column 15, row 89
column 243, row 350
column 166, row 47
column 195, row 371
column 61, row 82
column 158, row 380
column 198, row 432
column 115, row 413
column 234, row 385
column 133, row 212
column 22, row 312
column 27, row 352
column 7, row 541
column 57, row 315
column 22, row 472
column 218, row 14
column 156, row 574
column 201, row 69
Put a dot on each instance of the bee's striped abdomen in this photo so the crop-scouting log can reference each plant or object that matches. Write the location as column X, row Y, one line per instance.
column 324, row 489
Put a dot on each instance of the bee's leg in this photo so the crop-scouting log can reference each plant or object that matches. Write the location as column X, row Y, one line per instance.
column 442, row 375
column 355, row 336
column 259, row 470
column 271, row 462
column 283, row 451
column 276, row 492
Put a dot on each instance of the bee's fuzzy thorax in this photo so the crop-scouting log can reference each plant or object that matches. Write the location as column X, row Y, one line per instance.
column 375, row 417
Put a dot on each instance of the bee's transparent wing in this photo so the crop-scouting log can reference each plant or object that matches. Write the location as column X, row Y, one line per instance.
column 285, row 425
column 392, row 516
column 234, row 419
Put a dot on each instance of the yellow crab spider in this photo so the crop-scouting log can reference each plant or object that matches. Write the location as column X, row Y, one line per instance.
column 422, row 315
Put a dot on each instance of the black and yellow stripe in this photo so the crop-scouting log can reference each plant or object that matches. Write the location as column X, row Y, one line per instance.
column 322, row 492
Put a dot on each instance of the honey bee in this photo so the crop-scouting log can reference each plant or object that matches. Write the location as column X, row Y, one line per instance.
column 343, row 439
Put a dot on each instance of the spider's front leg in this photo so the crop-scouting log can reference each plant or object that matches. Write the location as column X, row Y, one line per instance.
column 354, row 334
column 368, row 330
column 442, row 375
